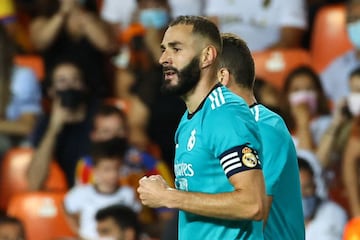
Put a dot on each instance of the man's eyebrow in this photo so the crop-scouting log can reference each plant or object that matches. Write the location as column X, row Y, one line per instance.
column 171, row 44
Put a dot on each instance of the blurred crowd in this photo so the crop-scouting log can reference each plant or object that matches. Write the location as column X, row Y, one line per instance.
column 95, row 109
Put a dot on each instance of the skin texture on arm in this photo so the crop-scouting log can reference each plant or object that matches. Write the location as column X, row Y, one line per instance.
column 39, row 165
column 245, row 202
column 43, row 31
column 303, row 132
column 350, row 174
column 97, row 31
column 326, row 145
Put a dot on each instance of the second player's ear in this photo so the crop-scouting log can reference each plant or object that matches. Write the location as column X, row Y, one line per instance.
column 223, row 76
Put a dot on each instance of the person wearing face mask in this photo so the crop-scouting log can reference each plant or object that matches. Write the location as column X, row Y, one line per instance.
column 306, row 110
column 334, row 77
column 62, row 134
column 351, row 156
column 345, row 113
column 324, row 219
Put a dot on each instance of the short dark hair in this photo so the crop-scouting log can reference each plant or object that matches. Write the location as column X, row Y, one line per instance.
column 114, row 148
column 201, row 26
column 305, row 165
column 5, row 219
column 237, row 58
column 124, row 217
column 355, row 72
column 107, row 110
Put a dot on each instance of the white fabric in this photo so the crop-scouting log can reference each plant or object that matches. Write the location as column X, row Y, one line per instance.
column 335, row 78
column 186, row 7
column 118, row 11
column 258, row 25
column 328, row 223
column 25, row 93
column 319, row 126
column 86, row 201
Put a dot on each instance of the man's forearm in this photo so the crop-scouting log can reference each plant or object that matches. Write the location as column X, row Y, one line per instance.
column 230, row 205
column 244, row 203
column 39, row 165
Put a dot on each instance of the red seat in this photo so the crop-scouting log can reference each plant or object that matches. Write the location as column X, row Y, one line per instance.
column 42, row 213
column 35, row 62
column 329, row 36
column 274, row 65
column 13, row 175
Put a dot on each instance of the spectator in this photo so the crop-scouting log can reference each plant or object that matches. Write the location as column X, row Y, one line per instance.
column 306, row 112
column 83, row 201
column 334, row 141
column 62, row 134
column 334, row 77
column 110, row 122
column 119, row 222
column 11, row 228
column 20, row 97
column 139, row 77
column 281, row 21
column 266, row 94
column 351, row 156
column 71, row 29
column 324, row 219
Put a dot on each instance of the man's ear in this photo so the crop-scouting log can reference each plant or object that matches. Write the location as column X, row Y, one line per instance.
column 208, row 56
column 223, row 76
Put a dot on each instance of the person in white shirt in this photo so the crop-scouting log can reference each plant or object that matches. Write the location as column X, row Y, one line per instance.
column 324, row 218
column 262, row 24
column 335, row 76
column 82, row 202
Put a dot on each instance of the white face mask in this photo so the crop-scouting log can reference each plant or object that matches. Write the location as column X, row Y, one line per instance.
column 353, row 101
column 308, row 97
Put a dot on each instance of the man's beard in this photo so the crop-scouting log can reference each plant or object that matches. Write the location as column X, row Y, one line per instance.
column 188, row 78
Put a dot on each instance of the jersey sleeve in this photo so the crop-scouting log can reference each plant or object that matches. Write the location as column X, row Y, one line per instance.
column 234, row 138
column 74, row 200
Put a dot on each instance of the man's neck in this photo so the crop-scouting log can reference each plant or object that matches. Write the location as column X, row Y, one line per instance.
column 196, row 96
column 246, row 94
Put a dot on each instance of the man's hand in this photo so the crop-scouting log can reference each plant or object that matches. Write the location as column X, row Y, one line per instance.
column 153, row 191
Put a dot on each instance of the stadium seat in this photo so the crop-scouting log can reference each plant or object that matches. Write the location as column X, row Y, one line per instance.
column 329, row 36
column 35, row 62
column 274, row 65
column 42, row 214
column 13, row 175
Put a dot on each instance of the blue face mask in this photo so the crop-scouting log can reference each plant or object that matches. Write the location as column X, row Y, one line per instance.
column 309, row 206
column 154, row 17
column 354, row 33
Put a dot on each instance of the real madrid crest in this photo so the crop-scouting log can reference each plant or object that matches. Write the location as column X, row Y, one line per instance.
column 249, row 158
